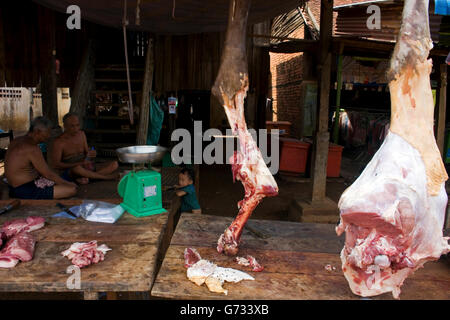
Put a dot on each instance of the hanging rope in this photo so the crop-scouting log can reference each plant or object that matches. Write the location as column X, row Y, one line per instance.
column 130, row 98
column 138, row 13
column 173, row 10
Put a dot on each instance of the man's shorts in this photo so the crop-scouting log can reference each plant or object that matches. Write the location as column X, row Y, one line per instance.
column 66, row 175
column 29, row 190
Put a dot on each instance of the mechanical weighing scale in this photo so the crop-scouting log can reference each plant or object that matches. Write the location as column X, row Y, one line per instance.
column 141, row 188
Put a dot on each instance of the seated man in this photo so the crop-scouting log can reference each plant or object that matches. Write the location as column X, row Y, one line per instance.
column 24, row 164
column 69, row 151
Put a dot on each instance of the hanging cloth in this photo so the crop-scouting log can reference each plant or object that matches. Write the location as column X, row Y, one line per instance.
column 154, row 122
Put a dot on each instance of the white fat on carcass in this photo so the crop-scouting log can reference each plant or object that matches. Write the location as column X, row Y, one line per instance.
column 213, row 276
column 386, row 173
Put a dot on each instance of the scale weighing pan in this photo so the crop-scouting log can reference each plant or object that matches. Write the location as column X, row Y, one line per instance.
column 141, row 154
column 141, row 188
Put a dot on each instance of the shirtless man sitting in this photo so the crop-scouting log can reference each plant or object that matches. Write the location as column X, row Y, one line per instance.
column 24, row 163
column 69, row 151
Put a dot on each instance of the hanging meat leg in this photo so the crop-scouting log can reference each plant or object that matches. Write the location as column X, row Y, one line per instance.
column 393, row 214
column 230, row 88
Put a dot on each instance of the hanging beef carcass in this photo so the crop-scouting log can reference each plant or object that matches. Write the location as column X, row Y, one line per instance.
column 393, row 214
column 231, row 88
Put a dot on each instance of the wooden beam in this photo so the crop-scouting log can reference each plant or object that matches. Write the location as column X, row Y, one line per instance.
column 338, row 96
column 85, row 81
column 47, row 44
column 144, row 114
column 322, row 136
column 440, row 131
column 295, row 46
column 2, row 52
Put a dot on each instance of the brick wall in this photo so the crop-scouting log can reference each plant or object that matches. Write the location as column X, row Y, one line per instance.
column 286, row 76
column 287, row 73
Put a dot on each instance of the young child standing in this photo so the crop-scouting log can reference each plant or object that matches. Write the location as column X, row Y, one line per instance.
column 186, row 190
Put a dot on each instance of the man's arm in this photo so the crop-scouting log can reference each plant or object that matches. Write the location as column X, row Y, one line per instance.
column 89, row 153
column 41, row 166
column 56, row 157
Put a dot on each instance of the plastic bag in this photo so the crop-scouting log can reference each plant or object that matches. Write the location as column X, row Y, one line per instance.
column 99, row 211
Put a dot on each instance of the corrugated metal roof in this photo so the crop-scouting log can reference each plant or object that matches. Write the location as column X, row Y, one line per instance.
column 352, row 21
column 171, row 17
column 366, row 3
column 284, row 24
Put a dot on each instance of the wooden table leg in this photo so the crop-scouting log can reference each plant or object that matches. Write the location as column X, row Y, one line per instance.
column 89, row 295
column 111, row 296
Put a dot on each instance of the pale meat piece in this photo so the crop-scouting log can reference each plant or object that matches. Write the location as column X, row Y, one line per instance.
column 8, row 262
column 83, row 254
column 201, row 271
column 230, row 88
column 393, row 214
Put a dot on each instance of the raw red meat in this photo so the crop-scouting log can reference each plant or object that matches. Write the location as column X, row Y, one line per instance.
column 29, row 224
column 3, row 238
column 393, row 214
column 250, row 261
column 83, row 254
column 230, row 88
column 19, row 242
column 191, row 257
column 20, row 246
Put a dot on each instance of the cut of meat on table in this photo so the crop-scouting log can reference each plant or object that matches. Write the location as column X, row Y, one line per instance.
column 250, row 261
column 393, row 214
column 230, row 88
column 205, row 272
column 191, row 256
column 83, row 254
column 3, row 238
column 8, row 262
column 29, row 224
column 18, row 244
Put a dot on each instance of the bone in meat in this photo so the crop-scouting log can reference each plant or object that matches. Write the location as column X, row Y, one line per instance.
column 230, row 88
column 393, row 214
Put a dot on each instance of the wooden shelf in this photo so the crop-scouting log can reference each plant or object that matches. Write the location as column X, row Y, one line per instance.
column 107, row 117
column 114, row 91
column 117, row 67
column 110, row 131
column 116, row 80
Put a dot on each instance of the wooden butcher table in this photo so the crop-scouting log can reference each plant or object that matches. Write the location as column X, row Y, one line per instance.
column 137, row 247
column 294, row 256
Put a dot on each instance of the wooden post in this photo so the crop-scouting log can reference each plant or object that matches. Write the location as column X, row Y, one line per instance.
column 440, row 132
column 85, row 81
column 338, row 95
column 144, row 113
column 322, row 136
column 47, row 52
column 90, row 295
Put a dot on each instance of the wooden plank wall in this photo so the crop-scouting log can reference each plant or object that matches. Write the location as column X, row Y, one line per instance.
column 23, row 48
column 191, row 62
